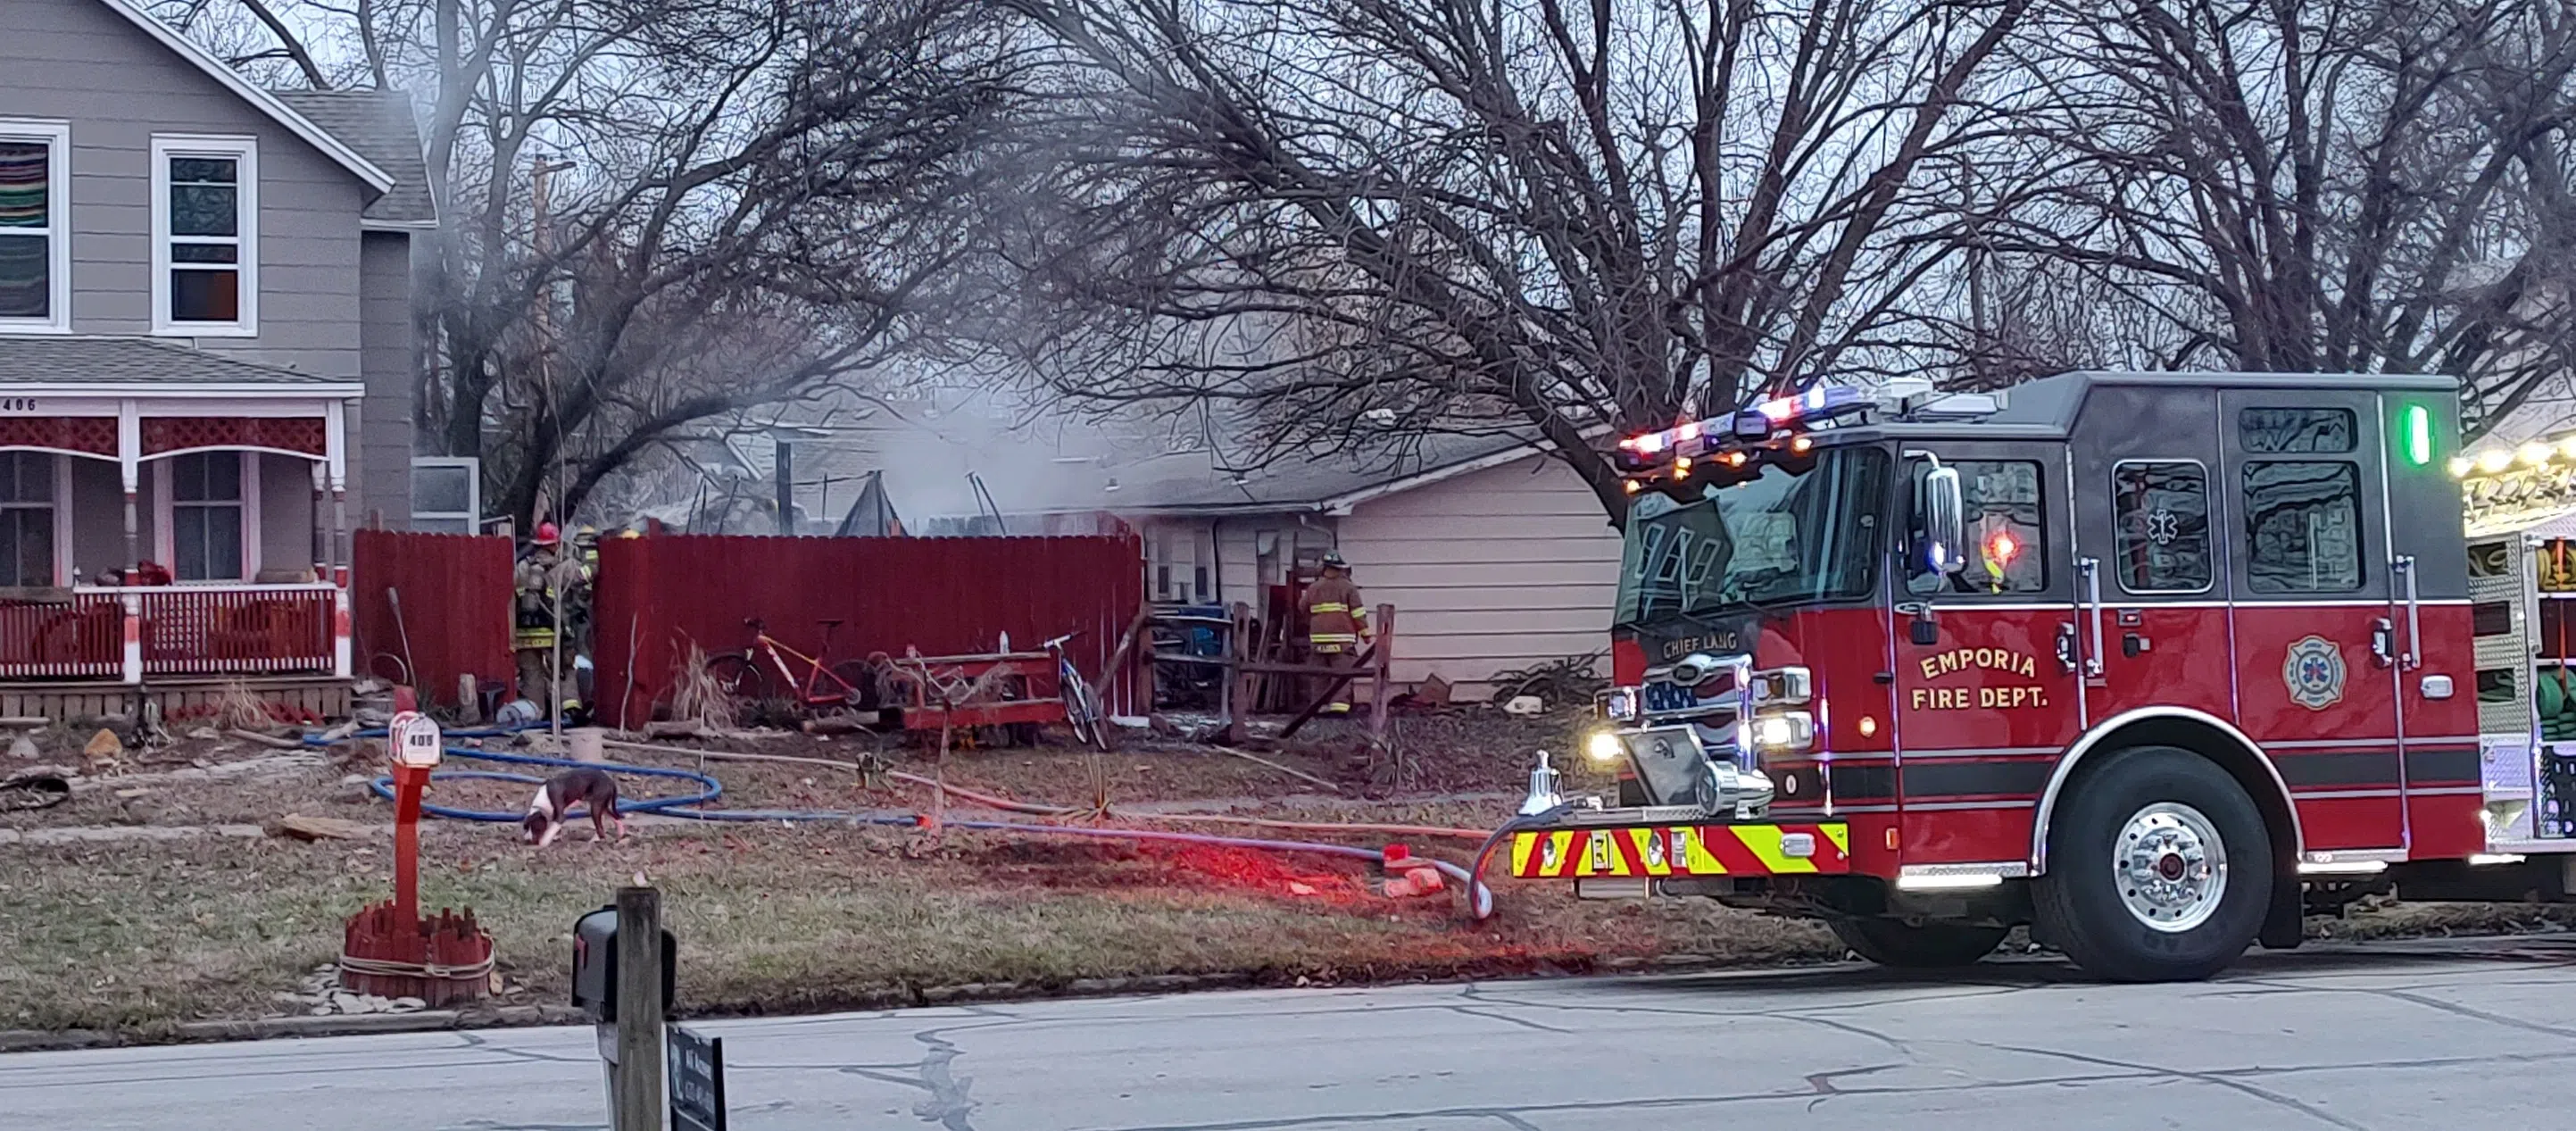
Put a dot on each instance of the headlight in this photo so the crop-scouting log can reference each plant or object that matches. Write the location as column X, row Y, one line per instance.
column 1604, row 746
column 1783, row 687
column 1794, row 730
column 1619, row 704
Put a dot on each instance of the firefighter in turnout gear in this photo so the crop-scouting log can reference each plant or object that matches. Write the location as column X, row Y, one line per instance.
column 1336, row 625
column 545, row 579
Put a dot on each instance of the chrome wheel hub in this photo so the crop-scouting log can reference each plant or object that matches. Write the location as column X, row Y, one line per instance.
column 2169, row 866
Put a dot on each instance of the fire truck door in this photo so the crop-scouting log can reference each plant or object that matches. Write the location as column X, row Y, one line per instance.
column 2150, row 554
column 2305, row 498
column 1984, row 661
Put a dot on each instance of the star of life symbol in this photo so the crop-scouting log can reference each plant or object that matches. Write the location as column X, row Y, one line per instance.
column 2162, row 526
column 2314, row 673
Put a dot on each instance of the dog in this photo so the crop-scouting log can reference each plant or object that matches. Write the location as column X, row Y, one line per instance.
column 593, row 790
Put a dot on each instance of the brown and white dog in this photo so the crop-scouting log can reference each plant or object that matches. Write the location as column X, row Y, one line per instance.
column 593, row 790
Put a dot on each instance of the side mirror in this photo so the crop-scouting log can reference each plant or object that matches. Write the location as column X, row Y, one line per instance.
column 1945, row 521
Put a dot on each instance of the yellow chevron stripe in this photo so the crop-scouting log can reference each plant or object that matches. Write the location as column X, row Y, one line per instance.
column 1565, row 861
column 1649, row 844
column 1696, row 856
column 1523, row 844
column 1841, row 836
column 1764, row 842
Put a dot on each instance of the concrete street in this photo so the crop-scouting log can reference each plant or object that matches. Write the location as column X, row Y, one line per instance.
column 2455, row 1034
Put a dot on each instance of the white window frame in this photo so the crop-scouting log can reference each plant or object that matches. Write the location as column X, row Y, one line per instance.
column 59, row 486
column 57, row 139
column 165, row 527
column 245, row 151
column 473, row 468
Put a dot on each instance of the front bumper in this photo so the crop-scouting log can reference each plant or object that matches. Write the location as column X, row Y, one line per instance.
column 1643, row 848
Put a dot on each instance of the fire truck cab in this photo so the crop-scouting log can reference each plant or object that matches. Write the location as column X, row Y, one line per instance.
column 2153, row 663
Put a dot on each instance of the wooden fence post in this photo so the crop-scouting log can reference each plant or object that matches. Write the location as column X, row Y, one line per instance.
column 1377, row 705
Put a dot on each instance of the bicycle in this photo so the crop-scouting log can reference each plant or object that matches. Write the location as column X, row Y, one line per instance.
column 745, row 678
column 1082, row 709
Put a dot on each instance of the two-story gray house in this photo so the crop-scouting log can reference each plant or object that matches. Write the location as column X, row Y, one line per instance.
column 206, row 352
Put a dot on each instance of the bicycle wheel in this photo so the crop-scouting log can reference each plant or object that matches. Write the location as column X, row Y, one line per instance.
column 1081, row 707
column 862, row 682
column 742, row 679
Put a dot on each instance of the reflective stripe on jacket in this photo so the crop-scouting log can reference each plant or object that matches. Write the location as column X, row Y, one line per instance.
column 1334, row 613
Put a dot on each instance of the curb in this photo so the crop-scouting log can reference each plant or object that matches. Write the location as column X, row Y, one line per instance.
column 336, row 1025
column 45, row 1040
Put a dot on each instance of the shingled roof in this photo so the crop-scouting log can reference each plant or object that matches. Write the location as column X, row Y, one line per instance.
column 92, row 360
column 379, row 125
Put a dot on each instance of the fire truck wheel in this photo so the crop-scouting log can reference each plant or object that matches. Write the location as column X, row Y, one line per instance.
column 1917, row 946
column 2159, row 869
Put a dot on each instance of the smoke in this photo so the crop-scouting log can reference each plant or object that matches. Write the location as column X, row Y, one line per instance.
column 1031, row 454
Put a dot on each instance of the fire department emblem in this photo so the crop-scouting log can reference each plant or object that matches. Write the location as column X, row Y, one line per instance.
column 2314, row 673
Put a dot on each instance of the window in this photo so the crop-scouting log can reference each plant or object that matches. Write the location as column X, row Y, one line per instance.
column 2161, row 511
column 2003, row 506
column 2287, row 431
column 35, row 226
column 1778, row 538
column 206, row 516
column 27, row 518
column 2303, row 526
column 446, row 494
column 1181, row 563
column 205, row 236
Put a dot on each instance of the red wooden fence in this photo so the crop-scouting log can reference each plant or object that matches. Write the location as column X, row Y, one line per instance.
column 943, row 596
column 455, row 598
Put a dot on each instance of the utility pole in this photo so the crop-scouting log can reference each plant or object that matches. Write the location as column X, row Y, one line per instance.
column 786, row 470
column 546, row 391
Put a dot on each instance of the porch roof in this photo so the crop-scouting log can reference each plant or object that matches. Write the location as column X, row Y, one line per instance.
column 77, row 363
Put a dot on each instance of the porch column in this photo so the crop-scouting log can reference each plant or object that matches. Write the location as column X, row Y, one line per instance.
column 129, row 470
column 319, row 535
column 335, row 450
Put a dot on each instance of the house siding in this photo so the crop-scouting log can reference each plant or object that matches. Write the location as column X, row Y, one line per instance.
column 98, row 520
column 54, row 58
column 1489, row 571
column 381, row 488
column 285, row 512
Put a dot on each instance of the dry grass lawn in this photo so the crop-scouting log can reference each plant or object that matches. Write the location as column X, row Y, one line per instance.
column 133, row 937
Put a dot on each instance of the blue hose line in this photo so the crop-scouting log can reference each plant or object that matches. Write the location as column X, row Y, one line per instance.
column 1480, row 899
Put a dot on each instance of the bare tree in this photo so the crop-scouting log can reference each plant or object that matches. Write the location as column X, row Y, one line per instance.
column 744, row 202
column 1358, row 218
column 757, row 209
column 2302, row 187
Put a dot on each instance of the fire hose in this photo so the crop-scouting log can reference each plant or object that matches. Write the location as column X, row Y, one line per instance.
column 1480, row 898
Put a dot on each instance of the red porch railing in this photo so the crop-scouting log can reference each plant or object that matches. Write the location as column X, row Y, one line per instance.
column 77, row 637
column 237, row 630
column 129, row 633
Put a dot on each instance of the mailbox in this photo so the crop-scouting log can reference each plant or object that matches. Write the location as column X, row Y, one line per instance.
column 594, row 965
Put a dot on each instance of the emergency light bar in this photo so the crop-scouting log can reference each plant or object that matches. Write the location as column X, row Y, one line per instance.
column 1693, row 438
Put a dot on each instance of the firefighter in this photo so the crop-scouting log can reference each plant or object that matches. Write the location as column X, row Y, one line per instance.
column 1336, row 625
column 542, row 577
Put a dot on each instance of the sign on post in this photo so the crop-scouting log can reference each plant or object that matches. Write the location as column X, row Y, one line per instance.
column 415, row 740
column 696, row 1081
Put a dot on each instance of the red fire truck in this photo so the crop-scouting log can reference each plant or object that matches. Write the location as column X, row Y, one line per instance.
column 2153, row 663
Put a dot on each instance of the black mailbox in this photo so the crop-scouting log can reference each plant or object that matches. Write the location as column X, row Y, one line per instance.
column 594, row 965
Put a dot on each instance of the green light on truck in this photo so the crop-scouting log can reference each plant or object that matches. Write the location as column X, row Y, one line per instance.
column 2415, row 424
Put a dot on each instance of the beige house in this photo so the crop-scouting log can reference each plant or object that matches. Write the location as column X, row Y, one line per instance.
column 1495, row 556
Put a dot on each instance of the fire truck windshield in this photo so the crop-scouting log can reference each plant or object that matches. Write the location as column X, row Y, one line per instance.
column 1779, row 538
